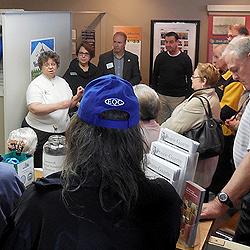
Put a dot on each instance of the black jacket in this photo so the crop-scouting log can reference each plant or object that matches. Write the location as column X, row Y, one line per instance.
column 42, row 221
column 76, row 77
column 131, row 71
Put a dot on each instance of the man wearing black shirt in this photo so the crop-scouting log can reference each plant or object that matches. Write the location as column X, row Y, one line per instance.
column 171, row 76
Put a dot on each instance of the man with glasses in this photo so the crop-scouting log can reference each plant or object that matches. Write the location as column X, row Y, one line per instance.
column 235, row 30
column 237, row 57
column 171, row 76
column 119, row 61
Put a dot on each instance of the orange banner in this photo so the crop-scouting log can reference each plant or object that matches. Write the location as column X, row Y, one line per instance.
column 134, row 33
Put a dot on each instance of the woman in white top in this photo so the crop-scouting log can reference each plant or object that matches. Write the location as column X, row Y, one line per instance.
column 49, row 98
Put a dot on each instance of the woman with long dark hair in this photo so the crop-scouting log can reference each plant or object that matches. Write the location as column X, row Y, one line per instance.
column 102, row 199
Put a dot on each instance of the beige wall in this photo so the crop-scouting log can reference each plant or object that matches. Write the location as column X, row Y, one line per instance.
column 137, row 13
column 129, row 12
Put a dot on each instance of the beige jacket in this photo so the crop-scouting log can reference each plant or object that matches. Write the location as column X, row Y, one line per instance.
column 190, row 113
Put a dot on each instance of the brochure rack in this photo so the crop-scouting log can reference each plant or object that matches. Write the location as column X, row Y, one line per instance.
column 173, row 157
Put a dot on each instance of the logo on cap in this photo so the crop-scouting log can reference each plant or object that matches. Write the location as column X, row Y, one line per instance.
column 115, row 102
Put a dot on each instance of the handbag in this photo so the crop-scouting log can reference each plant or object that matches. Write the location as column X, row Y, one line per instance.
column 209, row 134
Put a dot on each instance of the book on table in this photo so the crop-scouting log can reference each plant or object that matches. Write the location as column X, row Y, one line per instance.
column 192, row 204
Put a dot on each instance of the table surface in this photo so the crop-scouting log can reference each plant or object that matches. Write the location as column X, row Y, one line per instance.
column 201, row 236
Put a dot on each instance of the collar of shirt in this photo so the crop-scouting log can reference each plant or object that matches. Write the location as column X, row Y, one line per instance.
column 118, row 57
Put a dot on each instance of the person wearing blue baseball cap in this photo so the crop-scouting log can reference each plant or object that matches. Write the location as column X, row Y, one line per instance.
column 102, row 199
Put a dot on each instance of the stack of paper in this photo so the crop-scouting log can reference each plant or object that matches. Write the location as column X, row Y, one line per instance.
column 174, row 158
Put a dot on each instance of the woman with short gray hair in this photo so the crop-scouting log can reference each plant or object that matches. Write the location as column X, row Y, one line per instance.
column 49, row 98
column 149, row 109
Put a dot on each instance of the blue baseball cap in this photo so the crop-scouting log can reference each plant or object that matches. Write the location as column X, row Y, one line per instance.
column 105, row 93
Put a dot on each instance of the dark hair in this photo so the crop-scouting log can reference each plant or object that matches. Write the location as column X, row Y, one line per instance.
column 240, row 28
column 88, row 47
column 114, row 156
column 243, row 31
column 171, row 33
column 46, row 55
column 120, row 33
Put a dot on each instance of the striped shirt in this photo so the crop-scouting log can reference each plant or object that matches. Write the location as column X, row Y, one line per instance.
column 242, row 139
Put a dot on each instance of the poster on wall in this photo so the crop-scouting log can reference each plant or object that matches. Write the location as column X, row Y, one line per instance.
column 36, row 48
column 188, row 32
column 221, row 23
column 74, row 40
column 134, row 38
column 218, row 29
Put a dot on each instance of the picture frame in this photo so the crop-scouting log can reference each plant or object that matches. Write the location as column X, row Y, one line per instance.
column 188, row 31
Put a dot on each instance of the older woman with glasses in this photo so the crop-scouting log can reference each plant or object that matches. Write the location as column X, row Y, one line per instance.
column 191, row 114
column 49, row 98
column 81, row 71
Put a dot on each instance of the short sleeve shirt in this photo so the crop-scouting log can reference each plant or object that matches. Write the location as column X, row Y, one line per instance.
column 48, row 91
column 242, row 139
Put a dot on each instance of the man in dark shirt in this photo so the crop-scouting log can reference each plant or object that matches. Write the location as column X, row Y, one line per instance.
column 171, row 76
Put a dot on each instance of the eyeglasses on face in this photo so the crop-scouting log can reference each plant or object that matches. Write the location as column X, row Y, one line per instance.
column 47, row 65
column 83, row 54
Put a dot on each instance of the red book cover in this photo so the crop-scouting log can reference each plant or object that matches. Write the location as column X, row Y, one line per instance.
column 192, row 203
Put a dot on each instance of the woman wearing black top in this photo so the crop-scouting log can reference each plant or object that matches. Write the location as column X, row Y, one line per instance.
column 81, row 71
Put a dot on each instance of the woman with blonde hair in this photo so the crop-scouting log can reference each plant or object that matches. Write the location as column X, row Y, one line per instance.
column 191, row 114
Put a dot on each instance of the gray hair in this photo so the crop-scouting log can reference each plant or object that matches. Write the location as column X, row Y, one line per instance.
column 46, row 55
column 239, row 47
column 148, row 100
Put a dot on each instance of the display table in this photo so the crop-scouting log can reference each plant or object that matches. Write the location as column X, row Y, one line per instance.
column 201, row 236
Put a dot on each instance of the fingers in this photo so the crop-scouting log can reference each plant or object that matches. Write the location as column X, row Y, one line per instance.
column 204, row 211
column 80, row 90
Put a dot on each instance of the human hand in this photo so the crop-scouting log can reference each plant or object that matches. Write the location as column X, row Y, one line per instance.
column 213, row 209
column 80, row 91
column 232, row 123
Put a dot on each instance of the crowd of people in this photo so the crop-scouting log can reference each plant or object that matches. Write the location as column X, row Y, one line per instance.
column 102, row 198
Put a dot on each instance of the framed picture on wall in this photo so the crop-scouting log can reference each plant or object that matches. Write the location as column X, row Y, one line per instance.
column 188, row 32
column 221, row 23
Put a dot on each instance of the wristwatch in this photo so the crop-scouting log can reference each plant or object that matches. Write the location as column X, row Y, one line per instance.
column 224, row 198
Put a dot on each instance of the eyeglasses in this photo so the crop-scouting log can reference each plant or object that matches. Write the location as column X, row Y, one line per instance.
column 47, row 65
column 83, row 54
column 195, row 77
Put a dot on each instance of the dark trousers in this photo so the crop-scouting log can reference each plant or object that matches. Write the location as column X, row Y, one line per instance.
column 225, row 167
column 242, row 233
column 42, row 139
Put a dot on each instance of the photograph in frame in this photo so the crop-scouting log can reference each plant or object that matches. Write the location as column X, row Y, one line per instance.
column 188, row 32
column 221, row 23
